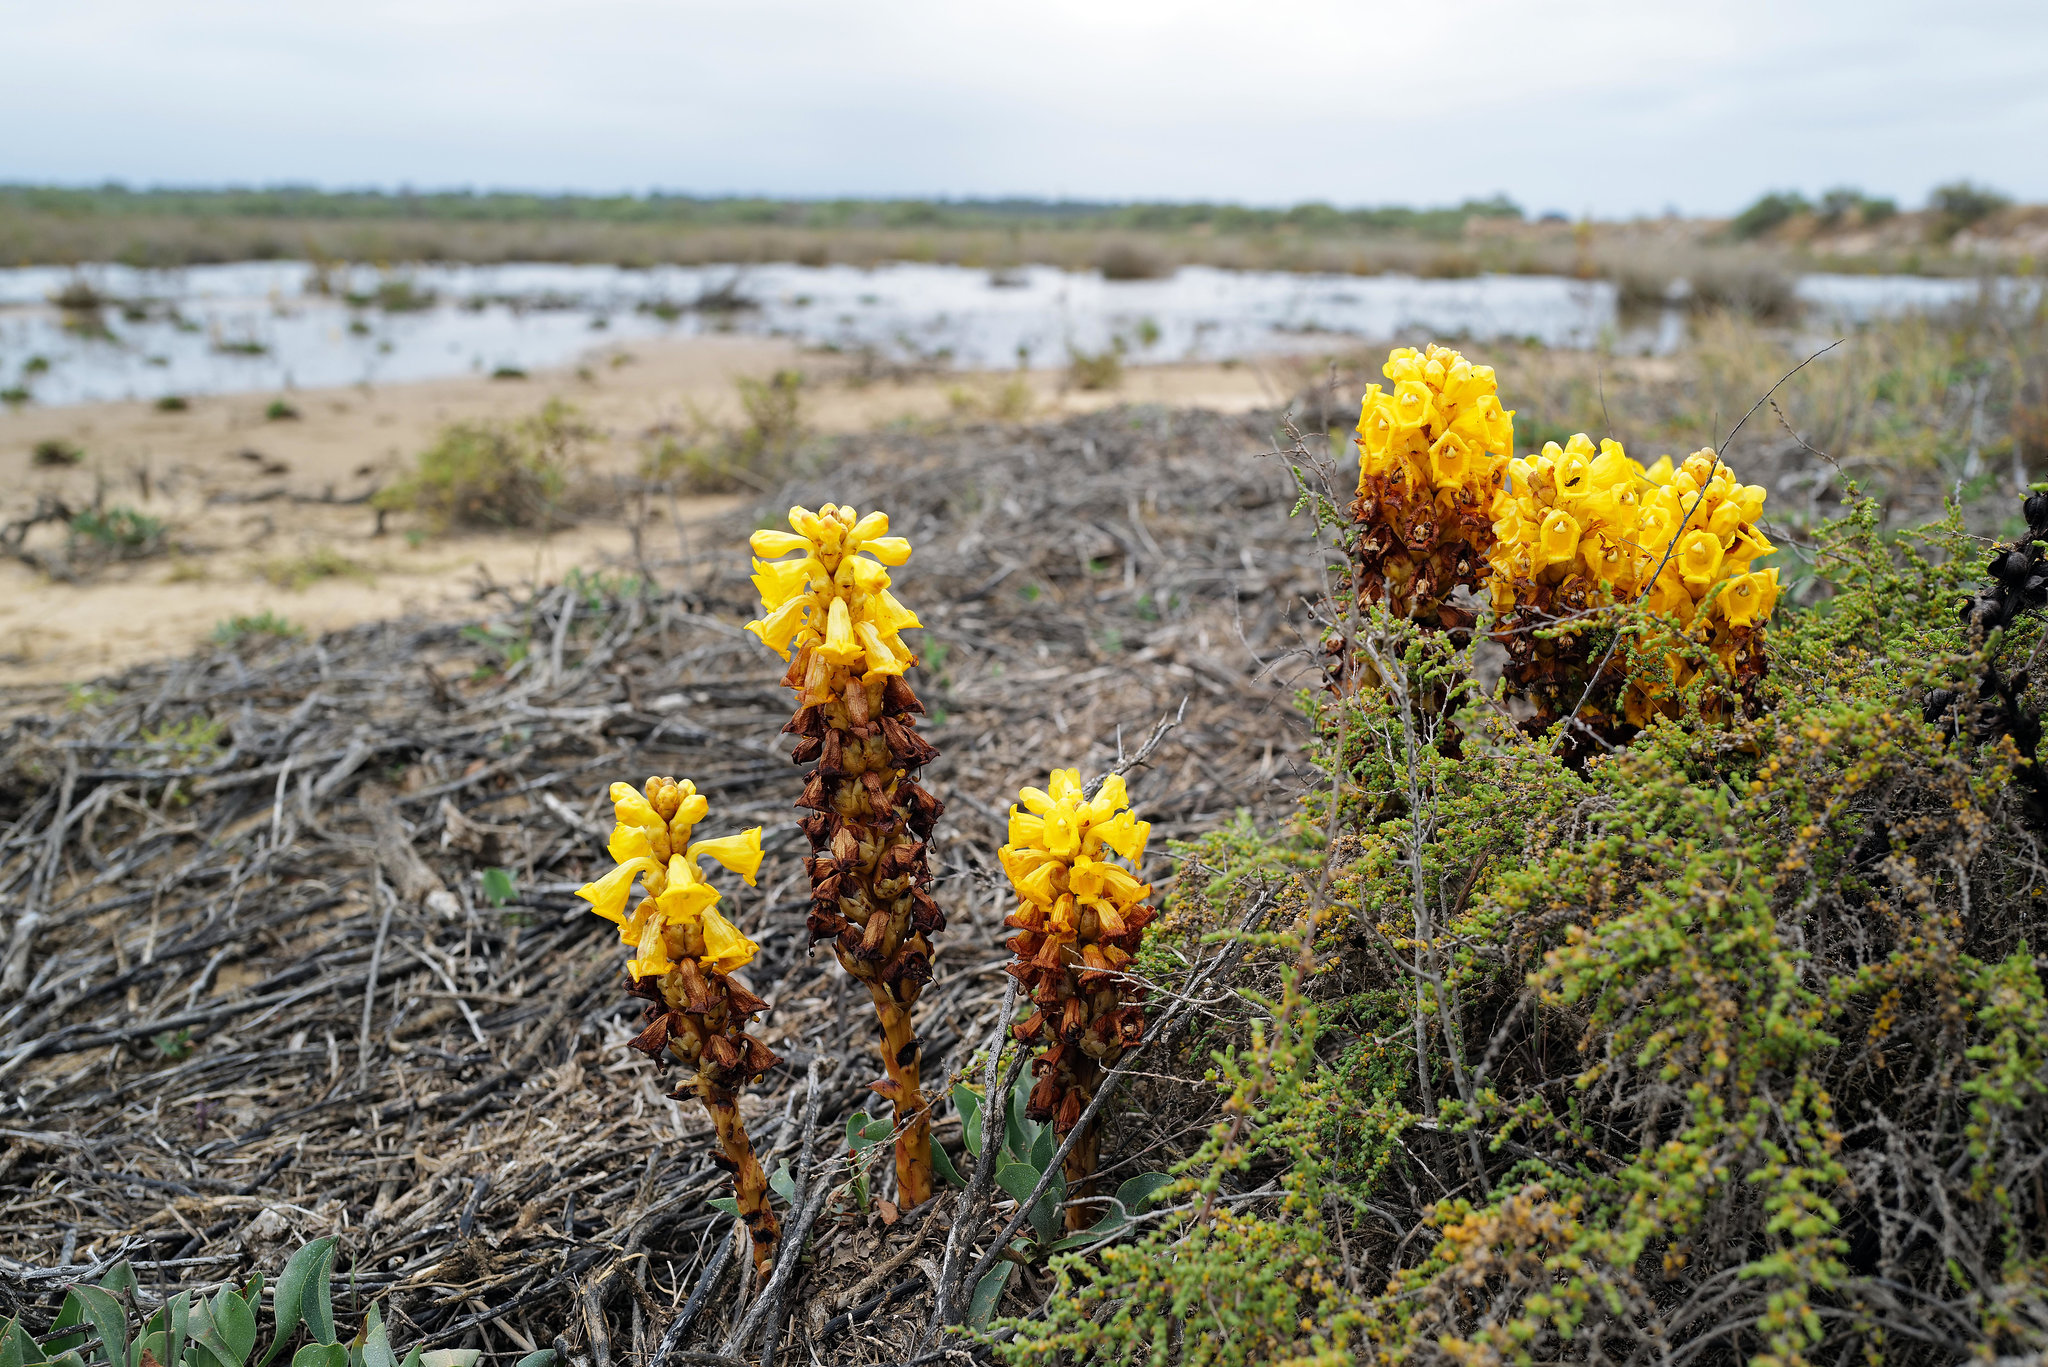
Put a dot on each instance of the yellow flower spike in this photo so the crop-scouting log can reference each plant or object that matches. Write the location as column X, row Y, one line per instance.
column 741, row 853
column 847, row 665
column 1583, row 526
column 1080, row 917
column 692, row 1017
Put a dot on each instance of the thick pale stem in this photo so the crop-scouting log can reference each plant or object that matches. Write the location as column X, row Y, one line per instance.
column 913, row 1118
column 1079, row 1168
column 1080, row 1171
column 749, row 1183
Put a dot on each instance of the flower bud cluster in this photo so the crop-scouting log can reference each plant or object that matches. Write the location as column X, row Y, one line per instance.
column 1080, row 917
column 683, row 954
column 1580, row 527
column 1431, row 451
column 830, row 613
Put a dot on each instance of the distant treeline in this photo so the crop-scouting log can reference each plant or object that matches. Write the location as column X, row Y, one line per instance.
column 689, row 211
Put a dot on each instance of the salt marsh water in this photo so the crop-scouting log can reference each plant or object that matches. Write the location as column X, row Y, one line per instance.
column 257, row 326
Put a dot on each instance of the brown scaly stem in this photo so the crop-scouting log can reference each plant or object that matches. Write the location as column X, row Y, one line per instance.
column 749, row 1182
column 831, row 615
column 727, row 1058
column 869, row 877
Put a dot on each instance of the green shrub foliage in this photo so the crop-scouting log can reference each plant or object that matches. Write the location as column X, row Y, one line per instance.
column 1728, row 1046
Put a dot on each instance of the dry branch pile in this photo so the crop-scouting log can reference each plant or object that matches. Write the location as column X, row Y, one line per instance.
column 254, row 990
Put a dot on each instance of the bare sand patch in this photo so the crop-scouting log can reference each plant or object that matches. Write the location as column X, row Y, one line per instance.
column 269, row 515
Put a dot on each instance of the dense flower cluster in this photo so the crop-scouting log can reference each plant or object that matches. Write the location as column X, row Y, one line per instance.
column 831, row 615
column 1079, row 920
column 1580, row 527
column 1431, row 453
column 678, row 918
column 683, row 954
column 833, row 606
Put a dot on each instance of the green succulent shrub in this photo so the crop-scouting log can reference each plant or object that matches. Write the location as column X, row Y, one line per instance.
column 98, row 1326
column 1727, row 1047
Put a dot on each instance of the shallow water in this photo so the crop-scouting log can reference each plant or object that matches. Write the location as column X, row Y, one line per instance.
column 273, row 326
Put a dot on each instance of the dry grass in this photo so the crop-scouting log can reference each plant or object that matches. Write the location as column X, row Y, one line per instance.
column 261, row 997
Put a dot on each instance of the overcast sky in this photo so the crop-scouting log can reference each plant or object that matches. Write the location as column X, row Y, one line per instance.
column 1603, row 106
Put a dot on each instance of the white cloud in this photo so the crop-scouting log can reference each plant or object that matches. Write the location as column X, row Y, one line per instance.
column 1579, row 104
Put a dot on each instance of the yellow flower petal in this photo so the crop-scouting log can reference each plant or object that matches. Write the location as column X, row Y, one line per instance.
column 632, row 808
column 1699, row 557
column 630, row 843
column 741, row 853
column 781, row 625
column 773, row 543
column 607, row 896
column 839, row 646
column 725, row 949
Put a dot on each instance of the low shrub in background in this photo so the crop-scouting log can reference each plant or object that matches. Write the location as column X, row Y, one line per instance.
column 495, row 475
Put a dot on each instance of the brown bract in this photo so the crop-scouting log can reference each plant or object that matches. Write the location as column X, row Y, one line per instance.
column 870, row 881
column 1086, row 1012
column 1414, row 549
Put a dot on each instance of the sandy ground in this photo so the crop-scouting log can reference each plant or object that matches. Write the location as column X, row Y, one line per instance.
column 270, row 516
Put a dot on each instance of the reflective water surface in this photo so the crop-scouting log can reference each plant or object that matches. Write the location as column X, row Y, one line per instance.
column 113, row 332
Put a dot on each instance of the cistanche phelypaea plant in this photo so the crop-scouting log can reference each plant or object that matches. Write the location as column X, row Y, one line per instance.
column 684, row 953
column 1079, row 921
column 829, row 612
